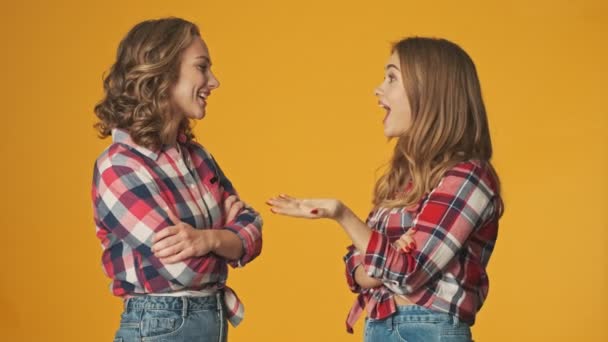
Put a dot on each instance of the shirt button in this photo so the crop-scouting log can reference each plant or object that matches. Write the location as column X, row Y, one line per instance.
column 193, row 185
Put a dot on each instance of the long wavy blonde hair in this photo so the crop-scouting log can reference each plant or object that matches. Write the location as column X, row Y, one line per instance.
column 449, row 123
column 137, row 86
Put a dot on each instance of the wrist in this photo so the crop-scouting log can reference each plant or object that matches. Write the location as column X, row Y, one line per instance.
column 213, row 239
column 343, row 213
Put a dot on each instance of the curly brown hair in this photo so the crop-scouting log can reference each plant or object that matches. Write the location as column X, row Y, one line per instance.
column 137, row 86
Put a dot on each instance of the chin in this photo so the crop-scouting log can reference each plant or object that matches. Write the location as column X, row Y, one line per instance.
column 196, row 116
column 389, row 134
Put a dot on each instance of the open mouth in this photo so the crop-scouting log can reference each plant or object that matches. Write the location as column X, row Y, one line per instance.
column 386, row 108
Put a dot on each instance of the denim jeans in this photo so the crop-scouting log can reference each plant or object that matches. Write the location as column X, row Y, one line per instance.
column 415, row 323
column 151, row 318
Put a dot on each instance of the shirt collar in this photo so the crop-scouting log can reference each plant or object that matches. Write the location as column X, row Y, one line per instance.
column 123, row 137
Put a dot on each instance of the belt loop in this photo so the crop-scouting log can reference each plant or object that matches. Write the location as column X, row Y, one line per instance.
column 220, row 313
column 455, row 320
column 184, row 306
column 218, row 299
column 126, row 303
column 390, row 322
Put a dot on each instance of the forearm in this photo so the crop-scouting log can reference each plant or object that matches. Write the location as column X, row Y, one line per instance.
column 356, row 229
column 359, row 233
column 227, row 244
column 364, row 280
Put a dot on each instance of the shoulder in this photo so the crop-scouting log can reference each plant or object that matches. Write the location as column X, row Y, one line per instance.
column 472, row 174
column 118, row 157
column 198, row 150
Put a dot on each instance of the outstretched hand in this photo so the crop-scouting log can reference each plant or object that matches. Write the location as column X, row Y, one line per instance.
column 306, row 208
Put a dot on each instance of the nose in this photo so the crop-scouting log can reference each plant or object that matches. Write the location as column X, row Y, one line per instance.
column 378, row 90
column 213, row 82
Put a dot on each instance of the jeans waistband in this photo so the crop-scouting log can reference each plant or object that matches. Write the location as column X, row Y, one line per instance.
column 184, row 303
column 416, row 313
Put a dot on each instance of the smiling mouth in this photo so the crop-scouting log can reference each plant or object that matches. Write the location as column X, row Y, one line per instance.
column 203, row 97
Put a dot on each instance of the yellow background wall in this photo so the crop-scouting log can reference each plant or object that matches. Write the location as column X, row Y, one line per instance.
column 295, row 113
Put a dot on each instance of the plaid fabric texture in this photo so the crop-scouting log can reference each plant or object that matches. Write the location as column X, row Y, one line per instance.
column 454, row 227
column 132, row 189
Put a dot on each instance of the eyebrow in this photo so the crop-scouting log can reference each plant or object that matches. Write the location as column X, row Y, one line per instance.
column 204, row 57
column 391, row 66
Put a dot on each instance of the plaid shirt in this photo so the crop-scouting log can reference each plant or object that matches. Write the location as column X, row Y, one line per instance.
column 454, row 228
column 132, row 185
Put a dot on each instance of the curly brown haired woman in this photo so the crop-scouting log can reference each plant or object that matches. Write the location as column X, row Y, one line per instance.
column 168, row 219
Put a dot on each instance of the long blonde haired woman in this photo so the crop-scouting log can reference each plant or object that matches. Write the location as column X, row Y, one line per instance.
column 419, row 261
column 168, row 218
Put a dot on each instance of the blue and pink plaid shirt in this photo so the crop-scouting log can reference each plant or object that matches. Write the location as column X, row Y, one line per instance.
column 454, row 228
column 132, row 185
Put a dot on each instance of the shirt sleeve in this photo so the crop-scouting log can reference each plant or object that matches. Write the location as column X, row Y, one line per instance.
column 128, row 204
column 352, row 260
column 451, row 212
column 247, row 225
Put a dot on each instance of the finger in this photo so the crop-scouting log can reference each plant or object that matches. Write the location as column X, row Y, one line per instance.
column 166, row 242
column 399, row 242
column 291, row 211
column 174, row 219
column 169, row 251
column 407, row 237
column 167, row 231
column 229, row 202
column 404, row 241
column 287, row 197
column 287, row 201
column 277, row 202
column 401, row 246
column 234, row 211
column 181, row 256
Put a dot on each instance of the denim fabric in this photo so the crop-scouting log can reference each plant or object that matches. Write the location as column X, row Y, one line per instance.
column 172, row 319
column 414, row 323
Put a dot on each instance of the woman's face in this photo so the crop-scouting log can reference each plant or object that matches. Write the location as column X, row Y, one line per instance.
column 392, row 97
column 195, row 82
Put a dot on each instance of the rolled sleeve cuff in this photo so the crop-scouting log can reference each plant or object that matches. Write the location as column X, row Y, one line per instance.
column 376, row 255
column 251, row 236
column 352, row 260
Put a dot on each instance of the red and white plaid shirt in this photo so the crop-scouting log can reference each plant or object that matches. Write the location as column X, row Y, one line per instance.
column 132, row 185
column 454, row 228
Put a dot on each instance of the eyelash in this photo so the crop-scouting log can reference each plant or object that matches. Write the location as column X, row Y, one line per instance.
column 391, row 78
column 203, row 68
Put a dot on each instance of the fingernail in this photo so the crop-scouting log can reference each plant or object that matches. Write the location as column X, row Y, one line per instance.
column 314, row 211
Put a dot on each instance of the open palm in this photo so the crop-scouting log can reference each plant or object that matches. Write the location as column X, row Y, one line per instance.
column 306, row 208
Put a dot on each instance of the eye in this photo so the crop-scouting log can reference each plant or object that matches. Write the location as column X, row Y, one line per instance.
column 391, row 78
column 203, row 67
